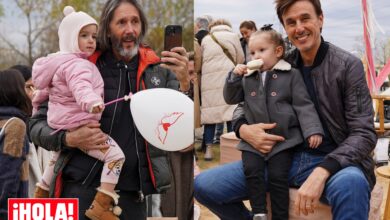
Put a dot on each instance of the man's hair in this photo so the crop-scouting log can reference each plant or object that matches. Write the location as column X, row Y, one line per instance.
column 220, row 22
column 202, row 23
column 251, row 25
column 106, row 18
column 283, row 5
column 12, row 91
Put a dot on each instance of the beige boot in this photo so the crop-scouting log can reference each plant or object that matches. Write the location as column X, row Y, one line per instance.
column 40, row 192
column 208, row 156
column 104, row 206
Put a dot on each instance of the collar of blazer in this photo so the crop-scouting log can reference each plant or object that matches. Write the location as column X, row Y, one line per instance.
column 280, row 65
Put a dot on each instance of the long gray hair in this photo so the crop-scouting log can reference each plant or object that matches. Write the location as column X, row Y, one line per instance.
column 106, row 17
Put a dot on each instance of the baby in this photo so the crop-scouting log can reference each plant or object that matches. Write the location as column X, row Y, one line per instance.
column 74, row 88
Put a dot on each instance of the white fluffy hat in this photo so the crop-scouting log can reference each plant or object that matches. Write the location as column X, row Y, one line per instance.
column 70, row 27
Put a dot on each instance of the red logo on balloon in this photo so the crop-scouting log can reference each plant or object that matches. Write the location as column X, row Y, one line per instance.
column 165, row 123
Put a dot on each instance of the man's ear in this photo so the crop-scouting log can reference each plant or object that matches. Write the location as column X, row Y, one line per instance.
column 321, row 21
column 279, row 51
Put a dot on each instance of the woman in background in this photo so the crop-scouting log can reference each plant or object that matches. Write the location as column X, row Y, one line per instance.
column 15, row 108
column 221, row 51
column 246, row 30
column 38, row 157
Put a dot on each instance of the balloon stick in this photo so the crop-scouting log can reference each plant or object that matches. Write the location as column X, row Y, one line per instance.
column 124, row 98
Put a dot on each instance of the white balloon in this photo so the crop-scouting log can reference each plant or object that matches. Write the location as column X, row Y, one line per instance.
column 164, row 117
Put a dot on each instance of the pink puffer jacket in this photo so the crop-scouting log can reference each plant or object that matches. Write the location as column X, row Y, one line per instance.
column 73, row 85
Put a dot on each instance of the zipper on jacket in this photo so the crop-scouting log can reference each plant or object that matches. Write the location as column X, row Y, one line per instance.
column 112, row 123
column 332, row 134
column 117, row 97
column 359, row 100
column 141, row 196
column 90, row 172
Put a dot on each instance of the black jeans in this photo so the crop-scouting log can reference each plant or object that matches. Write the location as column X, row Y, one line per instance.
column 131, row 208
column 278, row 168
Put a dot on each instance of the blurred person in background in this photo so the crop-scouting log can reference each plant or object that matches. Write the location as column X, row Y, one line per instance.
column 15, row 109
column 246, row 30
column 38, row 157
column 201, row 28
column 221, row 51
column 26, row 73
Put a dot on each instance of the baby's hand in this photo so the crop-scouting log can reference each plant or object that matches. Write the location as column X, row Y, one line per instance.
column 240, row 69
column 97, row 109
column 315, row 140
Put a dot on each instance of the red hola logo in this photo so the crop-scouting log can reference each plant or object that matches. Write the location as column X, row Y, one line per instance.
column 43, row 209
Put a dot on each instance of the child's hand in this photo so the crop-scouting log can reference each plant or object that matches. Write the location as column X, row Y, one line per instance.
column 97, row 108
column 315, row 140
column 240, row 69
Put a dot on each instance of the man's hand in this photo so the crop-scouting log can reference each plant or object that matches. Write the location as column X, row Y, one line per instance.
column 308, row 197
column 256, row 136
column 178, row 60
column 87, row 137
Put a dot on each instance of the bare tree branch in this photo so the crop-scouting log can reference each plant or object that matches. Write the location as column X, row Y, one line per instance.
column 43, row 29
column 13, row 47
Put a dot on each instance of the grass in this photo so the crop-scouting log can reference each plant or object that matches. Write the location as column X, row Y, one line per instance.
column 204, row 165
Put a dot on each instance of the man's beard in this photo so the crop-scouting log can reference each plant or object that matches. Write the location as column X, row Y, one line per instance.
column 126, row 53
